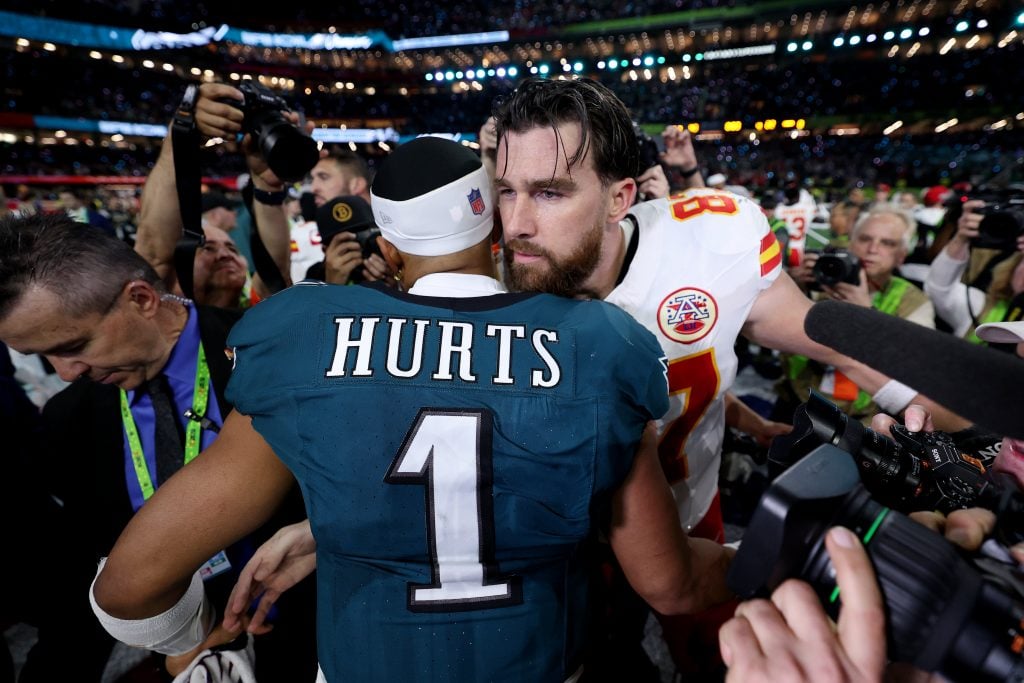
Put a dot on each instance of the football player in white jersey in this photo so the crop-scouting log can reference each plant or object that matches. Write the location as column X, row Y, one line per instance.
column 696, row 269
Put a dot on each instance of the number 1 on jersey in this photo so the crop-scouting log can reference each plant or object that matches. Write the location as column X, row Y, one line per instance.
column 449, row 453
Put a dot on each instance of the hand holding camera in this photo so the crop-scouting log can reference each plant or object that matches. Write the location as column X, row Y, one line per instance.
column 272, row 139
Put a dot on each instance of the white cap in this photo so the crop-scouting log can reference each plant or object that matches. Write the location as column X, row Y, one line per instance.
column 716, row 179
column 1001, row 333
column 443, row 220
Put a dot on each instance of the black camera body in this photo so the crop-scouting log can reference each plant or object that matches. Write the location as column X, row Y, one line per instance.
column 650, row 155
column 368, row 242
column 1003, row 222
column 946, row 612
column 289, row 152
column 943, row 612
column 835, row 265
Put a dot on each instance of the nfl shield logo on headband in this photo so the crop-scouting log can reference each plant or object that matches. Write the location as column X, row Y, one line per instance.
column 476, row 201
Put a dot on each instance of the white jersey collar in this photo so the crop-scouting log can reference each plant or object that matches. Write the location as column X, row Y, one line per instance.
column 456, row 285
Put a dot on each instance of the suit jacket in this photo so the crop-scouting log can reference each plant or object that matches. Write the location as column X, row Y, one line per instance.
column 84, row 445
column 85, row 440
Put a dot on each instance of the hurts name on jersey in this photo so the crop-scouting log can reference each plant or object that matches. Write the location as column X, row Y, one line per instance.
column 501, row 354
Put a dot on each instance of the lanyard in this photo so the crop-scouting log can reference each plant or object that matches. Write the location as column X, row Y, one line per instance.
column 200, row 399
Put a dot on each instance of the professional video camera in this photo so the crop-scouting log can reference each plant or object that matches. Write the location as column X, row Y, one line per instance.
column 1004, row 216
column 288, row 151
column 961, row 616
column 834, row 265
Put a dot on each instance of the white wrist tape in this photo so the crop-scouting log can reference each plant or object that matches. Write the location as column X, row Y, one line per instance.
column 893, row 397
column 180, row 629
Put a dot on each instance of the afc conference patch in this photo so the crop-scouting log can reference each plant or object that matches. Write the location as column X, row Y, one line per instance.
column 687, row 315
column 476, row 201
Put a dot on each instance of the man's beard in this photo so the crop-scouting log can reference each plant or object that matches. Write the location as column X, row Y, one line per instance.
column 562, row 277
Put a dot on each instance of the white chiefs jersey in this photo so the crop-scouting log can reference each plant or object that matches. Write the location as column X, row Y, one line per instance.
column 701, row 261
column 305, row 249
column 798, row 218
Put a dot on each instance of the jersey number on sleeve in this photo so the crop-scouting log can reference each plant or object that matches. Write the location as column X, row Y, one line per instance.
column 448, row 452
column 697, row 377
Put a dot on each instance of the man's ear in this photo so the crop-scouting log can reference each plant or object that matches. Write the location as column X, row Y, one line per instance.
column 391, row 254
column 358, row 185
column 143, row 297
column 622, row 194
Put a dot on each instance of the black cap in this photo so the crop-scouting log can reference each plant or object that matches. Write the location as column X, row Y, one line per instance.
column 345, row 213
column 214, row 199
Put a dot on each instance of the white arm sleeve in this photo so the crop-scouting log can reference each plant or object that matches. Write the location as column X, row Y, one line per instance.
column 949, row 295
column 893, row 397
column 178, row 630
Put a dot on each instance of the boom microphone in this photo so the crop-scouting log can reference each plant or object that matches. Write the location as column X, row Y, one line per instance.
column 980, row 384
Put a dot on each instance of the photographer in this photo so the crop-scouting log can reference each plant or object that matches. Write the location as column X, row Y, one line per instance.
column 963, row 307
column 878, row 246
column 790, row 638
column 160, row 222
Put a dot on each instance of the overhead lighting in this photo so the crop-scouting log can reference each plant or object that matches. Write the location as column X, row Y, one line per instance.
column 1007, row 39
column 838, row 41
column 117, row 59
column 983, row 23
column 22, row 42
column 947, row 46
column 854, row 40
column 148, row 63
column 1001, row 123
column 95, row 54
column 973, row 41
column 906, row 33
column 168, row 67
column 892, row 128
column 924, row 31
column 961, row 26
column 946, row 126
column 49, row 47
column 807, row 45
column 889, row 35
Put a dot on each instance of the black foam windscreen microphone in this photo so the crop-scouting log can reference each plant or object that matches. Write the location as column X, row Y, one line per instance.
column 978, row 383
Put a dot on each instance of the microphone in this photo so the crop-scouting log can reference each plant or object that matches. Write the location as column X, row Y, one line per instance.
column 978, row 383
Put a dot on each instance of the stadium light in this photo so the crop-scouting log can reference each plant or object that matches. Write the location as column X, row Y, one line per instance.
column 513, row 72
column 838, row 42
column 807, row 45
column 544, row 69
column 500, row 72
column 888, row 35
column 892, row 128
column 694, row 128
column 946, row 125
column 1020, row 19
column 924, row 31
column 872, row 38
column 961, row 26
column 429, row 77
column 983, row 23
column 95, row 55
column 854, row 40
column 770, row 124
column 600, row 65
column 648, row 61
column 661, row 60
column 687, row 58
column 49, row 47
column 906, row 33
column 791, row 47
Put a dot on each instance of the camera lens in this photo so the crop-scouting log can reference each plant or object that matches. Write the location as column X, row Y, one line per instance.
column 289, row 153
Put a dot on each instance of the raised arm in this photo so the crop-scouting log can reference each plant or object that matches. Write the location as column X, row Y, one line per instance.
column 777, row 321
column 674, row 574
column 160, row 217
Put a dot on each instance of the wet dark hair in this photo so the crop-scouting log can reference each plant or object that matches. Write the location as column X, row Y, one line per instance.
column 85, row 267
column 606, row 128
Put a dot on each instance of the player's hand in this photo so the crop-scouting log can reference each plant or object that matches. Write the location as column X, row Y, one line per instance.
column 652, row 183
column 280, row 563
column 341, row 257
column 768, row 430
column 220, row 635
column 790, row 638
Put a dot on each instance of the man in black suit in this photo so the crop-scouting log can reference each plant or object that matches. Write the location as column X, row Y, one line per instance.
column 148, row 371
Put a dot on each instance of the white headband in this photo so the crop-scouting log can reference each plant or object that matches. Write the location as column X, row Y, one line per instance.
column 444, row 221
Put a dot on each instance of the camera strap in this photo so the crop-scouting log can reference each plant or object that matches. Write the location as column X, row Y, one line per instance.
column 185, row 140
column 262, row 261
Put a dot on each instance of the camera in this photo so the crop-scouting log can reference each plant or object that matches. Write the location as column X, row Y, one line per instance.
column 1003, row 220
column 650, row 155
column 288, row 151
column 947, row 612
column 835, row 265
